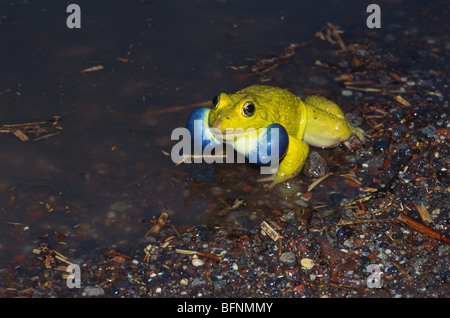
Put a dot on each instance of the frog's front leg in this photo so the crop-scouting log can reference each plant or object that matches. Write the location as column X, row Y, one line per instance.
column 292, row 163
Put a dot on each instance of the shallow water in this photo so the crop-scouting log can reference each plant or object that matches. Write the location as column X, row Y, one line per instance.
column 97, row 183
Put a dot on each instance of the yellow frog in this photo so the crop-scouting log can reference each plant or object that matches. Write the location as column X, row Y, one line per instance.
column 315, row 121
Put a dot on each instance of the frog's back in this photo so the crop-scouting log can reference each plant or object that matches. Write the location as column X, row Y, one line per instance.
column 326, row 105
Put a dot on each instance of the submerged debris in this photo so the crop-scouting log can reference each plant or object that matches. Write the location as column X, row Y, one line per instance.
column 261, row 66
column 37, row 128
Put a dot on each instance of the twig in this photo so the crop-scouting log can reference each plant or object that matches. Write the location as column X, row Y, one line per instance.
column 157, row 226
column 46, row 136
column 316, row 182
column 199, row 253
column 35, row 128
column 424, row 213
column 187, row 158
column 92, row 69
column 267, row 229
column 12, row 223
column 175, row 230
column 174, row 109
column 331, row 33
column 160, row 223
column 423, row 228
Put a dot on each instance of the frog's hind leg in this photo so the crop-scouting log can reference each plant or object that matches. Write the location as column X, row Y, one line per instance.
column 326, row 105
column 327, row 125
column 331, row 107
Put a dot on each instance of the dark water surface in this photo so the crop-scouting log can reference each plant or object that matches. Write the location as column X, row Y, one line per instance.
column 97, row 183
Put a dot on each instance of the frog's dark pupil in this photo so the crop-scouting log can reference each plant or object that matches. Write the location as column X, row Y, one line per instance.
column 215, row 101
column 249, row 109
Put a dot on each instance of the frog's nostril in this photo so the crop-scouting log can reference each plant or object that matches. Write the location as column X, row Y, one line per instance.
column 216, row 124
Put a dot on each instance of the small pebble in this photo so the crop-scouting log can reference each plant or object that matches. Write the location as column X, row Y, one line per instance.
column 348, row 243
column 307, row 263
column 287, row 257
column 346, row 92
column 184, row 281
column 197, row 262
column 92, row 291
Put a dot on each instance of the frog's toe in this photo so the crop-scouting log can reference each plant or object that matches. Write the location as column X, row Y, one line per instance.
column 270, row 178
column 348, row 145
column 360, row 133
column 275, row 178
column 357, row 139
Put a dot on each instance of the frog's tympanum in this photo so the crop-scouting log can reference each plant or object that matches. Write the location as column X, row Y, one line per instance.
column 298, row 123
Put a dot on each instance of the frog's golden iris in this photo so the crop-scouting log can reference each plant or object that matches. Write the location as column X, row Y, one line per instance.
column 315, row 121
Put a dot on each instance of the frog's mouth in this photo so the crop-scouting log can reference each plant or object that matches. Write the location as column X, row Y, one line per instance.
column 257, row 144
column 250, row 142
column 232, row 134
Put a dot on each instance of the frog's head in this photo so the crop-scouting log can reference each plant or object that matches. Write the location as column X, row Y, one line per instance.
column 238, row 118
column 238, row 111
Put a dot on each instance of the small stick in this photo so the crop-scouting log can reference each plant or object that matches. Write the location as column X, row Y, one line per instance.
column 61, row 257
column 92, row 69
column 119, row 254
column 20, row 135
column 267, row 229
column 344, row 222
column 156, row 227
column 315, row 183
column 8, row 128
column 199, row 253
column 175, row 109
column 424, row 213
column 352, row 178
column 19, row 130
column 12, row 223
column 401, row 100
column 209, row 255
column 160, row 223
column 175, row 230
column 423, row 228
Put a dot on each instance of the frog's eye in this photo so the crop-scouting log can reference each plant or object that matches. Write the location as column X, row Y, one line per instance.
column 215, row 102
column 248, row 109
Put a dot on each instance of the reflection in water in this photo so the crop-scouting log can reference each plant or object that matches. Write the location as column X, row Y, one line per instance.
column 37, row 190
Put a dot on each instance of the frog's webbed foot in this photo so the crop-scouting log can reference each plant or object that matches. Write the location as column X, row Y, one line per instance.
column 276, row 179
column 352, row 142
column 360, row 133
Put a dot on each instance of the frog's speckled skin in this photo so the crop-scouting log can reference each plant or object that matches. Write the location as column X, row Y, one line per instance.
column 315, row 121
